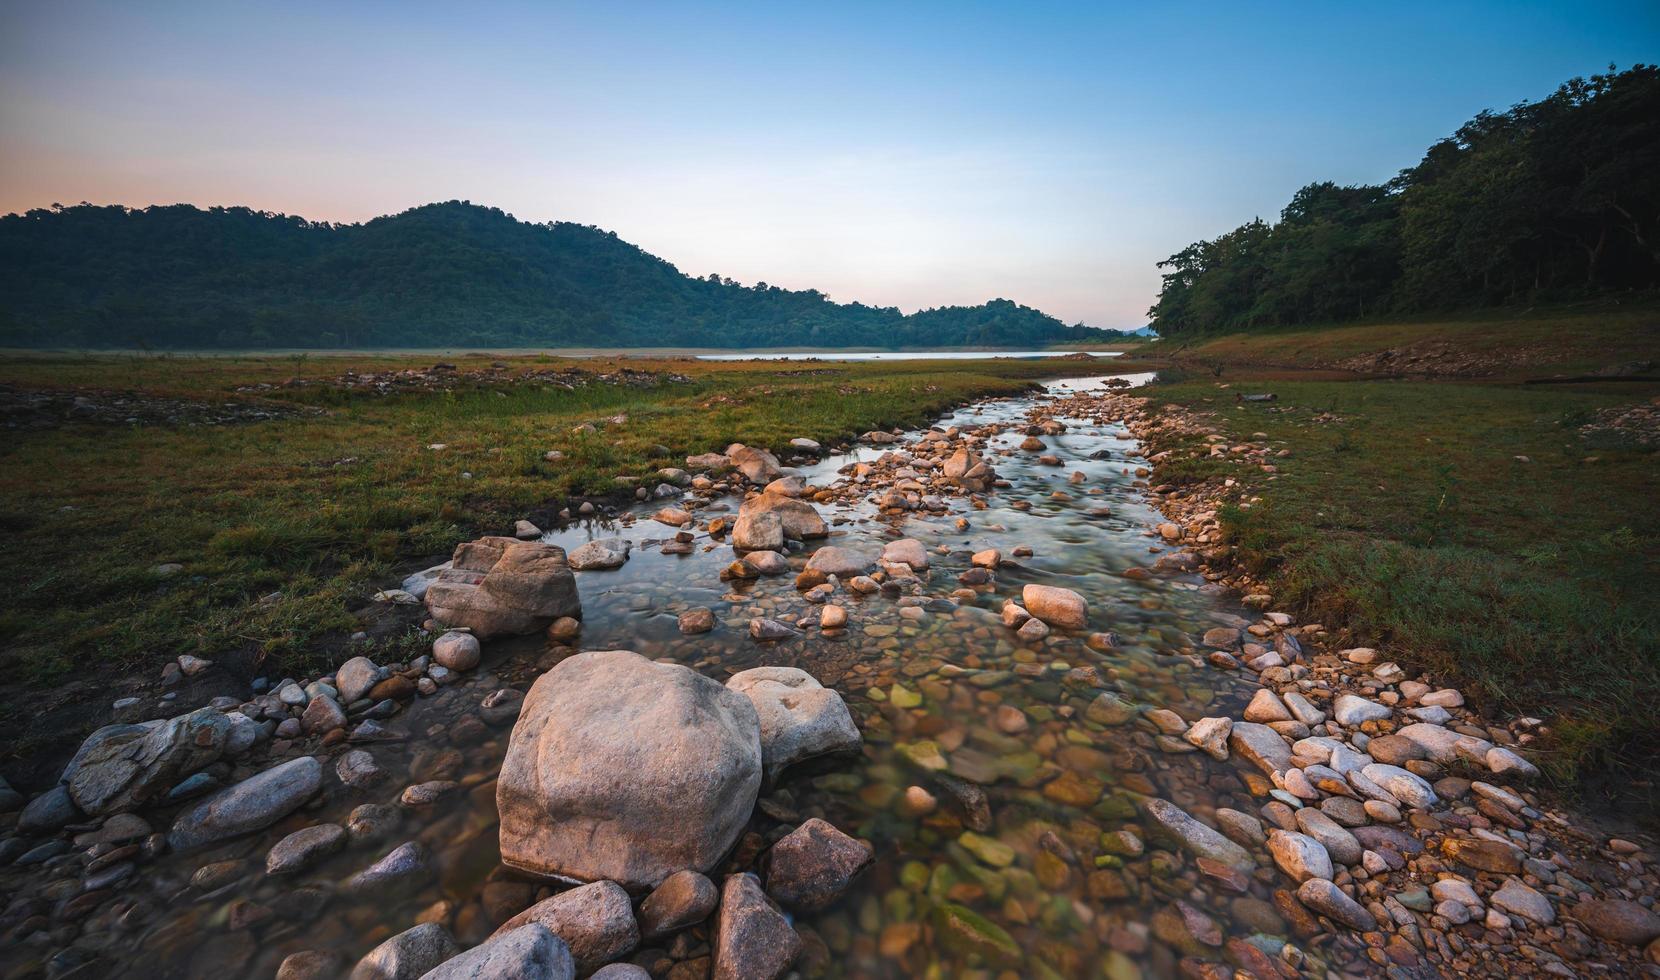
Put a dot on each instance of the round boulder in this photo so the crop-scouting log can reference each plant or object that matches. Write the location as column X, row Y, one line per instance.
column 625, row 769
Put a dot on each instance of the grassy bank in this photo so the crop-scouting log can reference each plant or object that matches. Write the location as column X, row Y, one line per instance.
column 283, row 525
column 1490, row 344
column 1407, row 513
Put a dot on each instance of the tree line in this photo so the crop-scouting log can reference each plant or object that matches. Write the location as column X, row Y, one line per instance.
column 444, row 274
column 1551, row 200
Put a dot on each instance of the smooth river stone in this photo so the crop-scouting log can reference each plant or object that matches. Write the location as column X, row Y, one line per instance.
column 253, row 804
column 1196, row 838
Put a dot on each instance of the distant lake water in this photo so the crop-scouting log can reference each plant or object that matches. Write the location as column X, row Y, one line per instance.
column 910, row 355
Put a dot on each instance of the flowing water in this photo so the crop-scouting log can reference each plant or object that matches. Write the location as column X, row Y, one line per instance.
column 1044, row 884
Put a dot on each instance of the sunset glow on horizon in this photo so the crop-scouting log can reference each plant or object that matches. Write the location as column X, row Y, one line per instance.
column 913, row 156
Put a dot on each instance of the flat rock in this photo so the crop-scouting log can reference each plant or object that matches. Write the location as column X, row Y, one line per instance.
column 1516, row 897
column 840, row 562
column 1352, row 711
column 624, row 769
column 1196, row 838
column 253, row 804
column 1261, row 746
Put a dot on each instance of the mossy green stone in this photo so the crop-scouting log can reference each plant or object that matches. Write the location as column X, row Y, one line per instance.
column 972, row 934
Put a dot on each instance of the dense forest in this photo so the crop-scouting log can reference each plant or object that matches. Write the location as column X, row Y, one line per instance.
column 440, row 275
column 1551, row 200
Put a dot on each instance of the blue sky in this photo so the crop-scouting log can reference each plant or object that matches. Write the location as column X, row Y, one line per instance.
column 900, row 154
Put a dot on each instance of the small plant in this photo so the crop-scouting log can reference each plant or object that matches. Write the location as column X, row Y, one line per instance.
column 1439, row 512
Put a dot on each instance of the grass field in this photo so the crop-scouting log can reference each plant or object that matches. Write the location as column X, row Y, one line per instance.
column 1500, row 343
column 1404, row 513
column 280, row 524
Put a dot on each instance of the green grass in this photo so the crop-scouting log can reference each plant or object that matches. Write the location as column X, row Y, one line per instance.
column 1498, row 343
column 323, row 510
column 1402, row 514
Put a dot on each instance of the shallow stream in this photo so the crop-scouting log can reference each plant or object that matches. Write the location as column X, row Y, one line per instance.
column 929, row 682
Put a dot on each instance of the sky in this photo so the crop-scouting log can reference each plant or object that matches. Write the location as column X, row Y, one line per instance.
column 901, row 154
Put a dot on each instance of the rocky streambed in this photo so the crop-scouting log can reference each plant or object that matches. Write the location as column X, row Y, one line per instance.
column 954, row 703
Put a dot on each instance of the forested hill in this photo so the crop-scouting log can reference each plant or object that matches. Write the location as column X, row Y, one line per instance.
column 1551, row 200
column 439, row 275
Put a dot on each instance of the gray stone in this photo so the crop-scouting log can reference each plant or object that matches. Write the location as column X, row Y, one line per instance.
column 409, row 955
column 304, row 848
column 1405, row 786
column 1260, row 745
column 800, row 718
column 355, row 677
column 601, row 554
column 456, row 650
column 624, row 769
column 405, row 868
column 595, row 921
column 48, row 812
column 1338, row 842
column 358, row 769
column 530, row 952
column 1516, row 897
column 1196, row 838
column 1352, row 711
column 253, row 804
column 1299, row 855
column 1330, row 901
column 122, row 767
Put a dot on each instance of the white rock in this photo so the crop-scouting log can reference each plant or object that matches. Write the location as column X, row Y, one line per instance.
column 1351, row 711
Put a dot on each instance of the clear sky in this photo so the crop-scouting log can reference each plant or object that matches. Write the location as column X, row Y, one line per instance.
column 909, row 154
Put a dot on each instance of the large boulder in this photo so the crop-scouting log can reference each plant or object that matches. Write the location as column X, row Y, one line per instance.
column 757, row 465
column 967, row 470
column 500, row 586
column 253, row 804
column 121, row 767
column 800, row 520
column 625, row 769
column 800, row 718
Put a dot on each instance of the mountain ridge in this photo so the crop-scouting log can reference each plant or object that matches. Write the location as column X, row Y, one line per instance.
column 447, row 273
